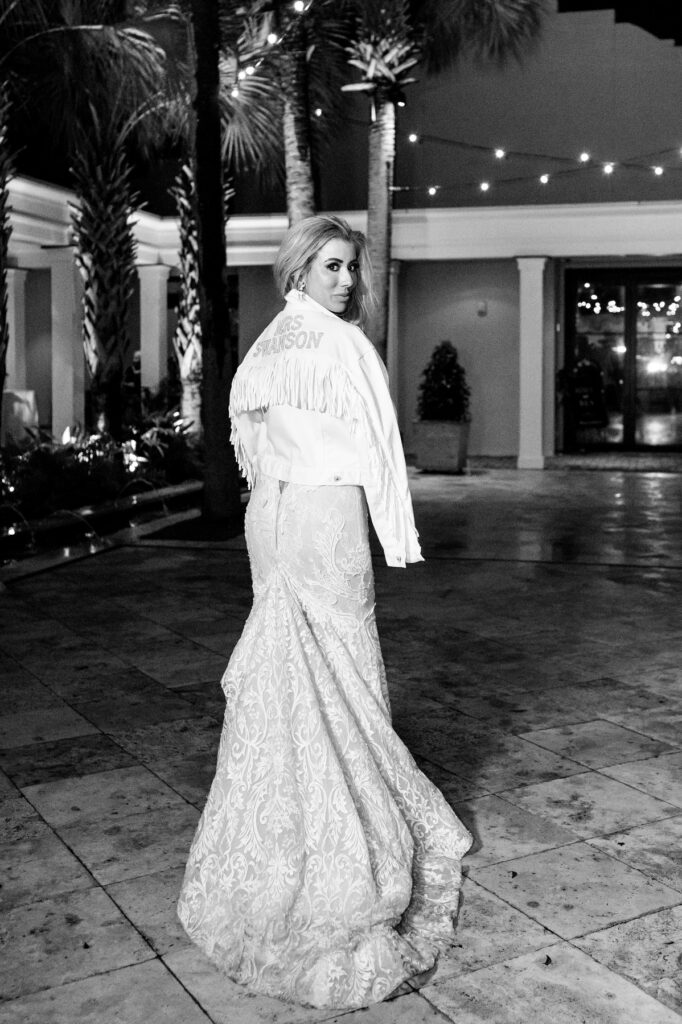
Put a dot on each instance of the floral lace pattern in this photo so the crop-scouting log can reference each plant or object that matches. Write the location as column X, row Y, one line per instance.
column 325, row 867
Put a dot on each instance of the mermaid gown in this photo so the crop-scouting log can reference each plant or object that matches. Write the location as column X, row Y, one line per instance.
column 325, row 869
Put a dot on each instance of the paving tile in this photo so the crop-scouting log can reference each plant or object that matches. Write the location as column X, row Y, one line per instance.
column 655, row 849
column 647, row 951
column 37, row 867
column 101, row 796
column 145, row 993
column 659, row 723
column 150, row 902
column 173, row 739
column 659, row 776
column 488, row 931
column 503, row 830
column 19, row 820
column 494, row 761
column 597, row 743
column 453, row 787
column 189, row 776
column 591, row 804
column 137, row 844
column 64, row 939
column 176, row 663
column 559, row 983
column 92, row 683
column 21, row 691
column 63, row 759
column 53, row 723
column 225, row 1002
column 406, row 1009
column 207, row 697
column 575, row 889
column 126, row 711
column 7, row 787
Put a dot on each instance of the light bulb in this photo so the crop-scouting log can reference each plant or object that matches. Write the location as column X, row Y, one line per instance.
column 484, row 186
column 299, row 6
column 584, row 157
column 658, row 171
column 318, row 111
column 544, row 178
column 273, row 38
column 235, row 92
column 412, row 137
column 433, row 189
column 241, row 75
column 608, row 168
column 250, row 70
column 500, row 154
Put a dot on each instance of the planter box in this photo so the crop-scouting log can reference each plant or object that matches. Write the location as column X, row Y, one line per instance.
column 441, row 445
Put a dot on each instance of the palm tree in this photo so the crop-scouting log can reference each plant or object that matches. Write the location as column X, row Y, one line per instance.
column 304, row 54
column 393, row 37
column 87, row 82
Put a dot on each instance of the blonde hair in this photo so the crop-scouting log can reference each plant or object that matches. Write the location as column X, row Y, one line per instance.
column 301, row 245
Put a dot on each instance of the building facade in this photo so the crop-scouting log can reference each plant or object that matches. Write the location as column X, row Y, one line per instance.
column 565, row 316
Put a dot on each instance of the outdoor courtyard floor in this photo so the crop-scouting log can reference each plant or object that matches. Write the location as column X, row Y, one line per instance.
column 534, row 665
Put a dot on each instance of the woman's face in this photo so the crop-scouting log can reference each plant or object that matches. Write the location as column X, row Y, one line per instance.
column 333, row 275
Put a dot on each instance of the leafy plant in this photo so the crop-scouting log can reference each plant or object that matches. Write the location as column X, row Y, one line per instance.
column 444, row 393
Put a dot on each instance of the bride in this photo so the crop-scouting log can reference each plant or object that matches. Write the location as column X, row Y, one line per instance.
column 325, row 869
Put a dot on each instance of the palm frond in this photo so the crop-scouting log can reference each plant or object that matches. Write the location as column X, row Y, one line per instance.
column 494, row 30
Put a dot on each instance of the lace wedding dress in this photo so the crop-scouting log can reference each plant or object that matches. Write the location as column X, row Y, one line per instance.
column 325, row 868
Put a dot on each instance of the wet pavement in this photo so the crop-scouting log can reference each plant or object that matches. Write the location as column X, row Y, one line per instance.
column 535, row 673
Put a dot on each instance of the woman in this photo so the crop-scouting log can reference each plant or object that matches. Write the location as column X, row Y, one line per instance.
column 325, row 868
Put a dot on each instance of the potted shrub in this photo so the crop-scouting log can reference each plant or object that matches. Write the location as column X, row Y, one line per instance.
column 441, row 433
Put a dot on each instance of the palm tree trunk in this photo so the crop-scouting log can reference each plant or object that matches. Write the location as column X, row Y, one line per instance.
column 379, row 205
column 296, row 132
column 222, row 500
column 6, row 174
column 187, row 337
column 105, row 256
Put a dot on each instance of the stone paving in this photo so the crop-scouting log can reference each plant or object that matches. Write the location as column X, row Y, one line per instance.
column 535, row 673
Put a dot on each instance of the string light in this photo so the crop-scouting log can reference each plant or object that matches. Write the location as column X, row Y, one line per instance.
column 484, row 186
column 241, row 75
column 658, row 170
column 235, row 92
column 318, row 111
column 500, row 154
column 412, row 137
column 250, row 70
column 299, row 6
column 608, row 168
column 273, row 38
column 584, row 157
column 544, row 178
column 433, row 190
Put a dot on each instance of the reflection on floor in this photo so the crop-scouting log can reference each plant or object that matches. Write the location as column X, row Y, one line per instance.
column 655, row 429
column 535, row 674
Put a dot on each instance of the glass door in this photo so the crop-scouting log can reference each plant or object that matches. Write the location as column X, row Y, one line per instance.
column 657, row 412
column 621, row 385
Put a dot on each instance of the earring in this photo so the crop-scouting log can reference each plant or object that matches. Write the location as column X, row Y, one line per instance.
column 300, row 288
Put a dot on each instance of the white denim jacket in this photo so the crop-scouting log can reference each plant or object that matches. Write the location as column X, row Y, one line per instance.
column 310, row 405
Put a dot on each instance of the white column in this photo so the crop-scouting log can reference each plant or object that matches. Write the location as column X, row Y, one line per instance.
column 153, row 324
column 392, row 361
column 68, row 362
column 531, row 348
column 16, row 320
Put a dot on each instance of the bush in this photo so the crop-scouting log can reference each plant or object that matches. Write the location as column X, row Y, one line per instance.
column 91, row 469
column 444, row 393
